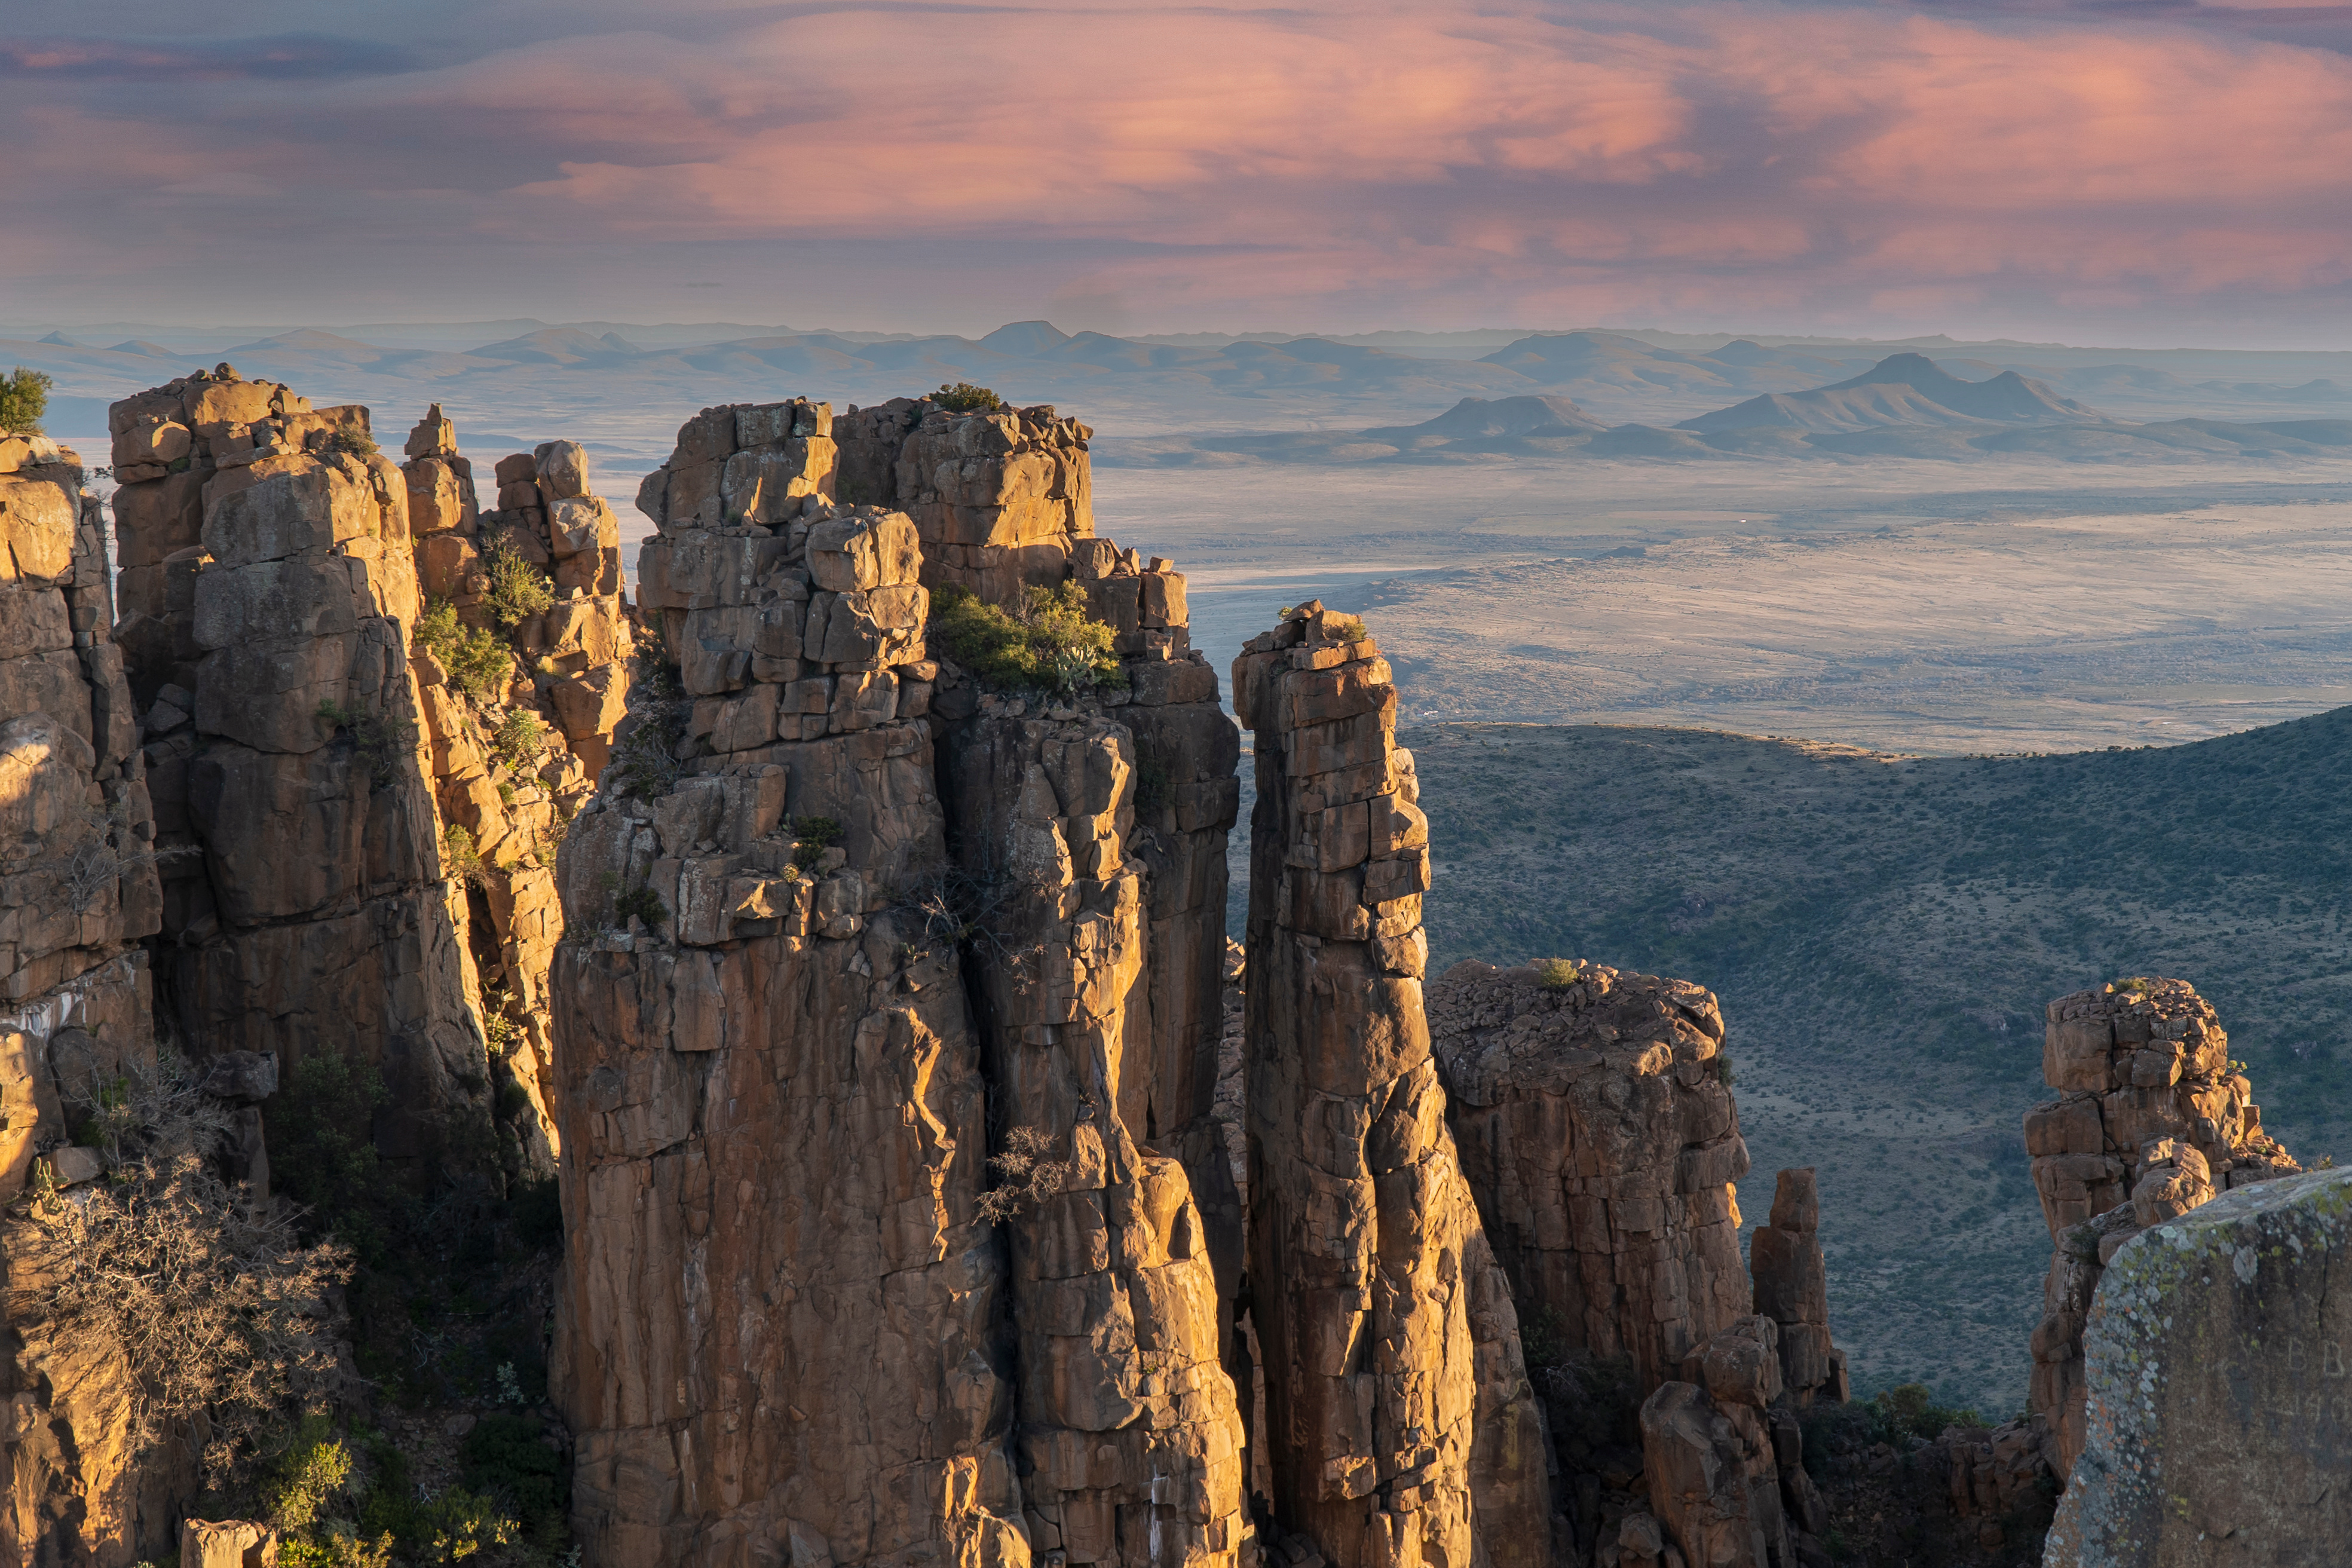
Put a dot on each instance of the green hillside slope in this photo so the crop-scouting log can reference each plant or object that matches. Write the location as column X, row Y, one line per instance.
column 1883, row 932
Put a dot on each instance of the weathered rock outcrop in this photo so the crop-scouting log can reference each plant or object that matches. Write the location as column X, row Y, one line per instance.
column 77, row 890
column 1000, row 498
column 1595, row 1126
column 1595, row 1129
column 516, row 744
column 2220, row 1387
column 1710, row 1458
column 2153, row 1120
column 766, row 993
column 1401, row 1426
column 266, row 589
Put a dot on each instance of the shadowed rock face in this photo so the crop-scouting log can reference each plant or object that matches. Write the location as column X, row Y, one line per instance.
column 1400, row 1423
column 2219, row 1403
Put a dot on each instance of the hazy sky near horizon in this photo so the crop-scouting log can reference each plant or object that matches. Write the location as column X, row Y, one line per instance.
column 2128, row 172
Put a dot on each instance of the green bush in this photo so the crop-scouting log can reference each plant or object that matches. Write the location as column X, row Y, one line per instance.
column 475, row 660
column 460, row 860
column 963, row 397
column 1052, row 645
column 640, row 901
column 1558, row 974
column 518, row 739
column 23, row 400
column 349, row 439
column 381, row 742
column 816, row 835
column 518, row 589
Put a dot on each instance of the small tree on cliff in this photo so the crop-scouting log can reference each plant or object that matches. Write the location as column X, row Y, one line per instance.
column 963, row 397
column 24, row 399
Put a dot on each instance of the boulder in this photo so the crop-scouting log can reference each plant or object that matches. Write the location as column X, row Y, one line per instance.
column 2219, row 1356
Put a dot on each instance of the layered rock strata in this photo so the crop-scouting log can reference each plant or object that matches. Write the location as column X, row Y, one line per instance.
column 515, row 750
column 2220, row 1390
column 2153, row 1119
column 78, row 889
column 1400, row 1423
column 766, row 993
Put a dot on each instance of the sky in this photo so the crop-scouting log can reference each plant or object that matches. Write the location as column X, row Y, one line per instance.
column 2136, row 173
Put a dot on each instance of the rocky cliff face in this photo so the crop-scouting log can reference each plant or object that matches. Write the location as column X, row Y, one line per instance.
column 2153, row 1120
column 2218, row 1385
column 1596, row 1131
column 1400, row 1423
column 78, row 891
column 522, row 725
column 268, row 585
column 927, row 915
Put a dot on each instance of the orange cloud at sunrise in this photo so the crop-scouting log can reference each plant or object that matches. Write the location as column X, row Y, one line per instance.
column 1338, row 166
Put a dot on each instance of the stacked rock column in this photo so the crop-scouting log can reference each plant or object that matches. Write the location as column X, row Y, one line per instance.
column 267, row 586
column 78, row 891
column 1128, row 1426
column 777, row 1325
column 1004, row 503
column 1792, row 1290
column 1383, row 1321
column 2153, row 1120
column 512, row 795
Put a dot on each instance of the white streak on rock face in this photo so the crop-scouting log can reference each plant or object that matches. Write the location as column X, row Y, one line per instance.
column 2244, row 1265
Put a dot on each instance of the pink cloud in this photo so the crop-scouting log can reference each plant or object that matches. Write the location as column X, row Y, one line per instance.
column 1337, row 162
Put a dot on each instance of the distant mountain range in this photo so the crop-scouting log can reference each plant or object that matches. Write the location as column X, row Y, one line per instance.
column 1300, row 398
column 1905, row 406
column 1903, row 389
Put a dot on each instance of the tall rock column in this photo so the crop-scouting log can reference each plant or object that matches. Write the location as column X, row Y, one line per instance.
column 1792, row 1290
column 267, row 588
column 520, row 729
column 2151, row 1121
column 1389, row 1338
column 778, row 1336
column 1129, row 1425
column 78, row 891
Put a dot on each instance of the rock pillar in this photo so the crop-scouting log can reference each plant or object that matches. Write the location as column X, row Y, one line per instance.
column 1389, row 1338
column 2153, row 1119
column 268, row 589
column 1594, row 1127
column 778, row 1332
column 1792, row 1290
column 1129, row 1431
